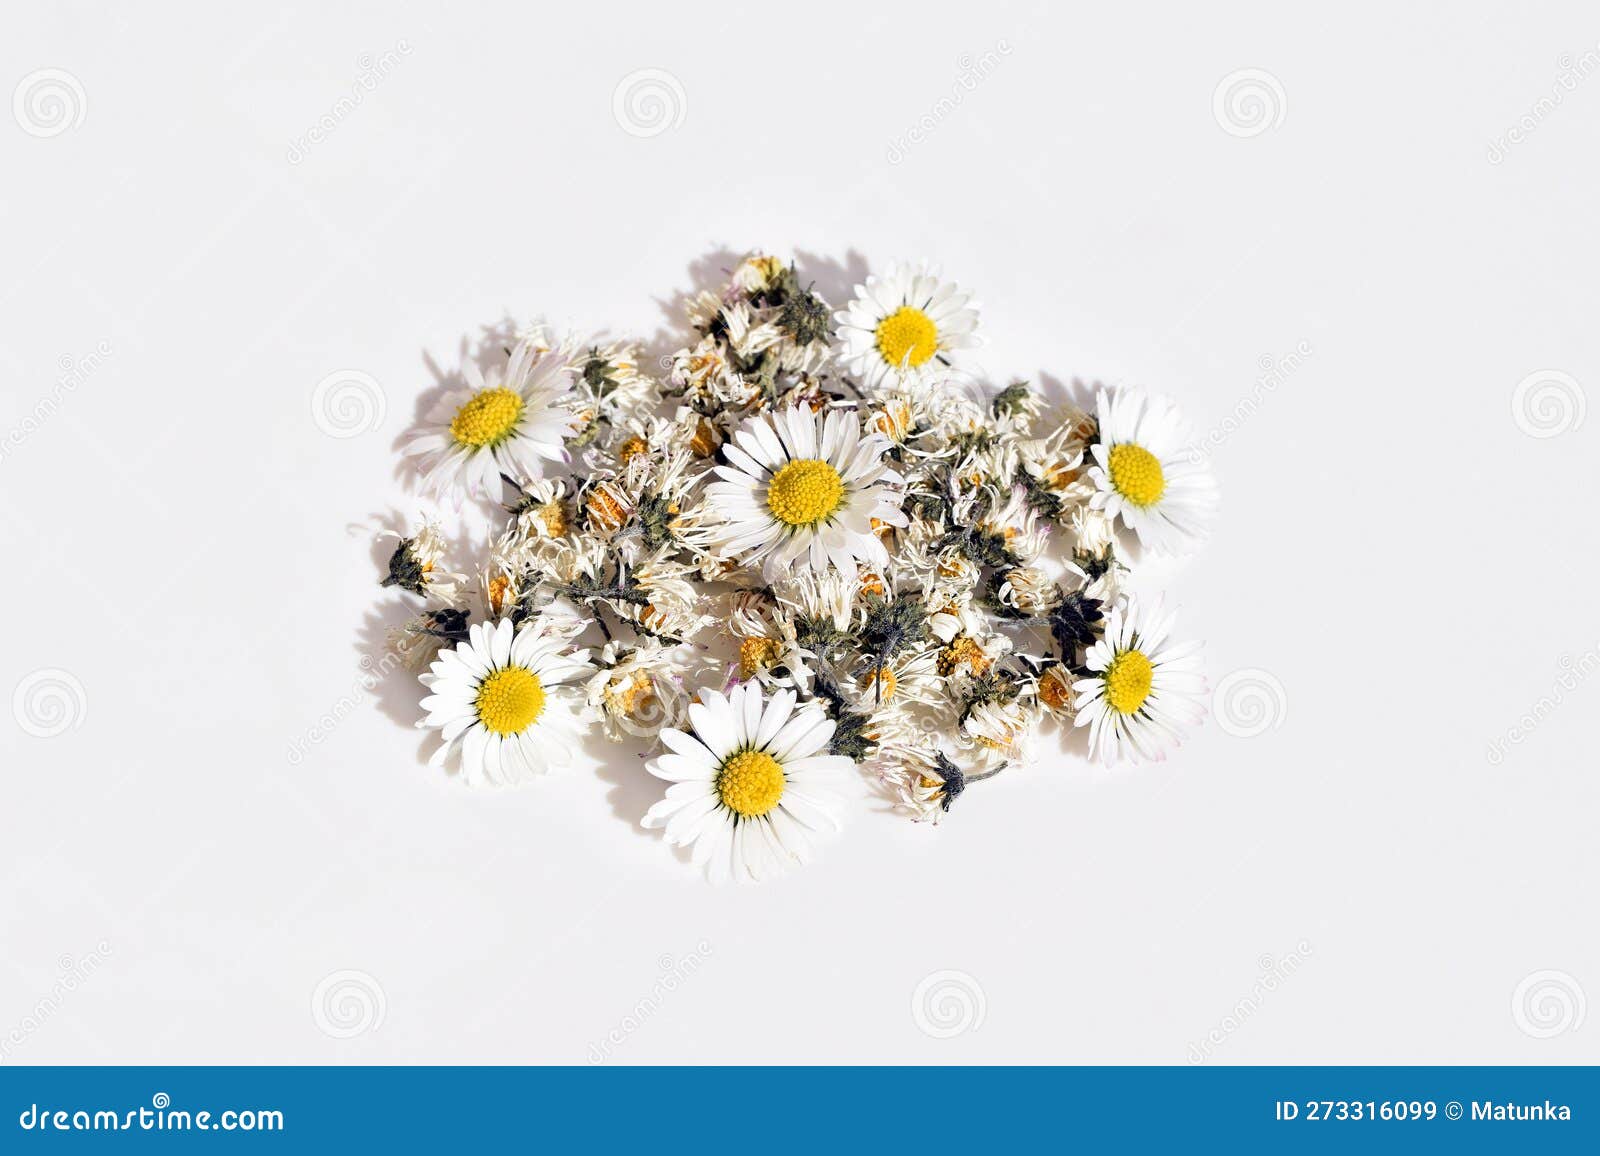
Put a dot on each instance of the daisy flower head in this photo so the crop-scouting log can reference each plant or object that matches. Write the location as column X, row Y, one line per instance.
column 750, row 783
column 504, row 697
column 505, row 421
column 923, row 781
column 804, row 489
column 1144, row 476
column 417, row 565
column 902, row 326
column 1142, row 690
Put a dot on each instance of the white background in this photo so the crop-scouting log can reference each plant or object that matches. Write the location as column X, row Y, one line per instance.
column 1397, row 551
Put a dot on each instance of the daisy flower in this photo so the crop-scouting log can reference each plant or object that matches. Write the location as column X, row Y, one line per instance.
column 1143, row 474
column 416, row 565
column 635, row 690
column 923, row 781
column 749, row 785
column 805, row 489
column 1142, row 689
column 910, row 678
column 898, row 324
column 502, row 422
column 503, row 697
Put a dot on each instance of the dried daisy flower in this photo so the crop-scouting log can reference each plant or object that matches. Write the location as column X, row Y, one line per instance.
column 637, row 688
column 415, row 565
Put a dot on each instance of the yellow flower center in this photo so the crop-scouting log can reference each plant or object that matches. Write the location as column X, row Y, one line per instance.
column 963, row 651
column 632, row 448
column 487, row 418
column 750, row 784
column 1055, row 691
column 907, row 336
column 1061, row 475
column 1136, row 474
column 892, row 421
column 634, row 695
column 705, row 440
column 498, row 585
column 510, row 699
column 804, row 492
column 756, row 654
column 1128, row 681
column 606, row 511
column 554, row 516
column 881, row 684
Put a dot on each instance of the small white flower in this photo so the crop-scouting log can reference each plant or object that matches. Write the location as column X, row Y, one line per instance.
column 416, row 565
column 997, row 732
column 635, row 690
column 750, row 784
column 903, row 325
column 1144, row 690
column 503, row 422
column 805, row 491
column 504, row 697
column 1144, row 476
column 922, row 779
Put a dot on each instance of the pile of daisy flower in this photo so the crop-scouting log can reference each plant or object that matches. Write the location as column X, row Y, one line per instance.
column 808, row 545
